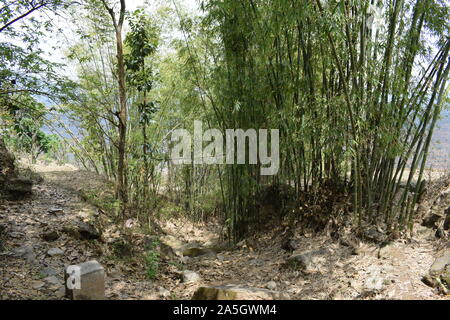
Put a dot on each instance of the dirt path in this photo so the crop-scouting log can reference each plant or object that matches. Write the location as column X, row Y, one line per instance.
column 29, row 271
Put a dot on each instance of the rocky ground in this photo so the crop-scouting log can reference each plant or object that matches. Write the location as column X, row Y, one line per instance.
column 55, row 227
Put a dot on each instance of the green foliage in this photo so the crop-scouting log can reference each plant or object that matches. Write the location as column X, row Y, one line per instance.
column 152, row 260
column 102, row 200
column 355, row 89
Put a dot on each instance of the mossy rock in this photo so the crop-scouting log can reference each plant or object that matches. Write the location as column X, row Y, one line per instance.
column 213, row 293
column 235, row 292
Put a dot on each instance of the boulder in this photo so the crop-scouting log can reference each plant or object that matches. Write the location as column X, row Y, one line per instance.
column 85, row 281
column 235, row 292
column 439, row 273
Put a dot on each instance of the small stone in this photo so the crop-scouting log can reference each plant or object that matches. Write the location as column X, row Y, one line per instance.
column 48, row 272
column 91, row 277
column 55, row 252
column 271, row 285
column 50, row 236
column 87, row 231
column 188, row 276
column 163, row 292
column 52, row 280
column 37, row 284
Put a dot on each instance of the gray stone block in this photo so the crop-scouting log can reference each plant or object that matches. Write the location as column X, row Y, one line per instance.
column 91, row 285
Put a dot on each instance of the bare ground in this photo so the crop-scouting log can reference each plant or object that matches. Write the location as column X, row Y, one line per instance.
column 338, row 274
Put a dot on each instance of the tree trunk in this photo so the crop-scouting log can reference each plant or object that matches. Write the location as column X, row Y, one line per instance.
column 121, row 176
column 121, row 183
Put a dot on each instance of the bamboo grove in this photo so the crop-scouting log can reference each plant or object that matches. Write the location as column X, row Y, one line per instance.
column 340, row 80
column 354, row 86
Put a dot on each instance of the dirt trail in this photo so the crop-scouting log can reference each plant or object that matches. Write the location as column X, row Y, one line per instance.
column 27, row 271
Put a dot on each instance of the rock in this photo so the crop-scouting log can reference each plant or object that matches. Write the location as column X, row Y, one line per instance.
column 197, row 252
column 439, row 265
column 439, row 274
column 430, row 281
column 52, row 280
column 271, row 285
column 234, row 292
column 188, row 276
column 19, row 186
column 374, row 235
column 440, row 233
column 305, row 260
column 87, row 231
column 446, row 225
column 290, row 245
column 90, row 276
column 26, row 252
column 55, row 252
column 171, row 247
column 37, row 285
column 431, row 220
column 163, row 292
column 46, row 272
column 50, row 236
column 71, row 231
